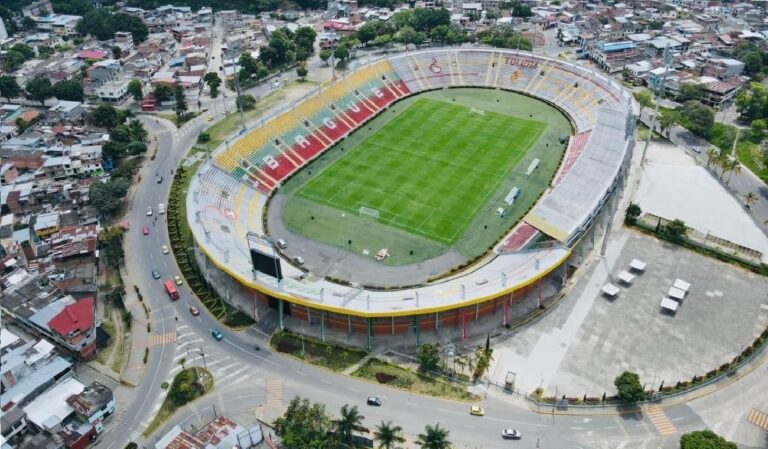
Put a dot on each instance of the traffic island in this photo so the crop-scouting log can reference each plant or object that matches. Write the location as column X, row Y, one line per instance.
column 187, row 386
column 394, row 376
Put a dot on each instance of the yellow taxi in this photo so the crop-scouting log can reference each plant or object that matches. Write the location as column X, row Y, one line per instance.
column 476, row 410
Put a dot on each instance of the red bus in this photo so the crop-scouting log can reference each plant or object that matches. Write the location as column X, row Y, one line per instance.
column 170, row 288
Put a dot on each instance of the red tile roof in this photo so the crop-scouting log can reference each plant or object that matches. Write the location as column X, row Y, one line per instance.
column 74, row 317
column 92, row 54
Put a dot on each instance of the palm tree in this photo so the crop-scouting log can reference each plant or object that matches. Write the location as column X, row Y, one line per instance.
column 733, row 166
column 388, row 435
column 348, row 420
column 182, row 362
column 433, row 438
column 713, row 157
column 750, row 198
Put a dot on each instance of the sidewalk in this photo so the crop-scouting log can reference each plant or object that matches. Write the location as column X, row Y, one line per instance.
column 138, row 338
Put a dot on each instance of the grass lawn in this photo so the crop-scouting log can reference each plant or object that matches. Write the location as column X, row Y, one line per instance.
column 394, row 376
column 181, row 381
column 316, row 352
column 434, row 172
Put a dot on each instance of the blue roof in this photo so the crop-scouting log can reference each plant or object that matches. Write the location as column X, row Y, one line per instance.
column 176, row 61
column 615, row 46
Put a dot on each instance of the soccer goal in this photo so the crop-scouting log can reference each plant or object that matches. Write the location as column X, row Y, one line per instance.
column 368, row 212
column 477, row 111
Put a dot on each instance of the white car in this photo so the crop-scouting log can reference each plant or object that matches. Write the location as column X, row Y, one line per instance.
column 511, row 434
column 149, row 211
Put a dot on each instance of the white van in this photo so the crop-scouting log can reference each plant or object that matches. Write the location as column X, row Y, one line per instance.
column 161, row 209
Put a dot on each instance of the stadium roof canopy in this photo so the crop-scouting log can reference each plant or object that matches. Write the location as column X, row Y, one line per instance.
column 569, row 206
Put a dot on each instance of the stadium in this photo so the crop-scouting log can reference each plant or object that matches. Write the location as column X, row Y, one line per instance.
column 421, row 190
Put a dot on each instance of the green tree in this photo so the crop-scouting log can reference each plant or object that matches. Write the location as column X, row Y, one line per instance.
column 137, row 131
column 632, row 214
column 120, row 133
column 27, row 51
column 213, row 81
column 750, row 198
column 676, row 230
column 668, row 120
column 757, row 128
column 644, row 99
column 349, row 420
column 713, row 157
column 102, row 24
column 505, row 37
column 407, row 35
column 105, row 116
column 305, row 41
column 731, row 165
column 117, row 52
column 135, row 89
column 752, row 102
column 629, row 387
column 9, row 88
column 280, row 51
column 325, row 54
column 428, row 357
column 68, row 90
column 39, row 89
column 304, row 425
column 521, row 10
column 341, row 53
column 111, row 245
column 700, row 118
column 655, row 24
column 426, row 19
column 753, row 63
column 301, row 70
column 13, row 60
column 107, row 197
column 383, row 40
column 433, row 438
column 705, row 439
column 482, row 362
column 162, row 92
column 388, row 435
column 135, row 148
column 180, row 99
column 690, row 91
column 45, row 51
column 247, row 101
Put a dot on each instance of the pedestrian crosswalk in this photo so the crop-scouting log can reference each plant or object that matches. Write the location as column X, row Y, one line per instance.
column 660, row 421
column 162, row 339
column 274, row 393
column 758, row 418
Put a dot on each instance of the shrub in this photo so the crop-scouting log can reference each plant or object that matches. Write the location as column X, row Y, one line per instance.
column 384, row 378
column 146, row 355
column 204, row 137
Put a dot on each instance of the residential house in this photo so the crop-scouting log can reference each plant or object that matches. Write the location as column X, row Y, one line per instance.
column 39, row 306
column 221, row 433
column 28, row 369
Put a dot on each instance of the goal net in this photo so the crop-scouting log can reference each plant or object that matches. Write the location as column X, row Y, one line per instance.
column 368, row 212
column 477, row 111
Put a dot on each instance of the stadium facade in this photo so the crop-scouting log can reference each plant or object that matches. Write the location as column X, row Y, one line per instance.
column 227, row 197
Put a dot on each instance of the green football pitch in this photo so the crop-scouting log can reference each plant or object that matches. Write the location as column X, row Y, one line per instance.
column 434, row 171
column 428, row 171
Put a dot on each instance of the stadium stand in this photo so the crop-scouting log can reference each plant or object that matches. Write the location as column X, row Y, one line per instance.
column 522, row 234
column 576, row 146
column 571, row 205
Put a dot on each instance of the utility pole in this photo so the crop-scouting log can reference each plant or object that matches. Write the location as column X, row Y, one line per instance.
column 667, row 63
column 238, row 101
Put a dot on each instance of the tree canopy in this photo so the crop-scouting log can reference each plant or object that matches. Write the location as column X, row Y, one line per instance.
column 9, row 87
column 629, row 387
column 102, row 24
column 700, row 118
column 705, row 439
column 304, row 425
column 39, row 89
column 505, row 37
column 428, row 357
column 69, row 90
column 752, row 102
column 135, row 89
column 107, row 197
